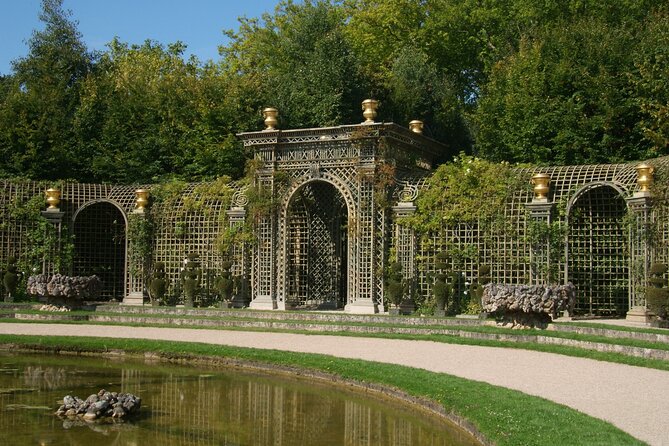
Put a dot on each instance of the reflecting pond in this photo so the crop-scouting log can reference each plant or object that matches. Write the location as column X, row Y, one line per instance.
column 184, row 405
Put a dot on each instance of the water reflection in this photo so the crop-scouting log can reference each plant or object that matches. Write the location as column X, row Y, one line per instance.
column 187, row 406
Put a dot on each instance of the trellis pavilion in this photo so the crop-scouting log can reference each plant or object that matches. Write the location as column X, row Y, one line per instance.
column 326, row 207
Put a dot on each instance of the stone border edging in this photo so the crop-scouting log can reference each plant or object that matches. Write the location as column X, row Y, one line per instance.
column 294, row 315
column 639, row 352
column 610, row 333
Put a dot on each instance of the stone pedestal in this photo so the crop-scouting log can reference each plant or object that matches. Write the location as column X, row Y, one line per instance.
column 362, row 306
column 263, row 303
column 639, row 315
column 134, row 298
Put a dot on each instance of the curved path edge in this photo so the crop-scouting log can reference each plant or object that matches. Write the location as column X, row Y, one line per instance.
column 634, row 399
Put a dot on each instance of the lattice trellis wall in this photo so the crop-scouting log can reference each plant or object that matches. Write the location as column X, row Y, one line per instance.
column 97, row 216
column 99, row 232
column 598, row 253
column 331, row 236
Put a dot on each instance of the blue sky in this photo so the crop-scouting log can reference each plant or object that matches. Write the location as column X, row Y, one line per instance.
column 197, row 23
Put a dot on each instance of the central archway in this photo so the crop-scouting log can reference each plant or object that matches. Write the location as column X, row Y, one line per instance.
column 316, row 248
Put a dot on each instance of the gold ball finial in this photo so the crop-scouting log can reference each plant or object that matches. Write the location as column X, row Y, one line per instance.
column 541, row 182
column 644, row 176
column 416, row 126
column 52, row 198
column 270, row 114
column 369, row 107
column 141, row 199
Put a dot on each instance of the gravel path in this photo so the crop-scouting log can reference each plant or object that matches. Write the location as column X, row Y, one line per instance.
column 635, row 399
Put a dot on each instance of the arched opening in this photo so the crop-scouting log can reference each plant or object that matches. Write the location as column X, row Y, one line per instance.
column 99, row 247
column 316, row 248
column 598, row 258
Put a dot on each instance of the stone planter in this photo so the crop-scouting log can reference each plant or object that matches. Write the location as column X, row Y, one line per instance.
column 407, row 306
column 527, row 306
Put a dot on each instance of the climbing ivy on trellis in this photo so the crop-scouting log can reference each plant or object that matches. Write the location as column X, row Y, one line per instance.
column 42, row 243
column 468, row 190
column 140, row 238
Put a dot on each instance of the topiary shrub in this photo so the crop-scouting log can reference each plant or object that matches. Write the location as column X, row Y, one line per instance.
column 441, row 291
column 157, row 284
column 475, row 304
column 225, row 283
column 191, row 276
column 11, row 278
column 395, row 284
column 657, row 295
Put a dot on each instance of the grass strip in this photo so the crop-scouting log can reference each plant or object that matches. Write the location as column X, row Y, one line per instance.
column 618, row 358
column 505, row 417
column 484, row 329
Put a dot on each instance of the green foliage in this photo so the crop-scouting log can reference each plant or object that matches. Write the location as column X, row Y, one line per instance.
column 40, row 99
column 441, row 290
column 191, row 276
column 468, row 190
column 395, row 284
column 140, row 241
column 157, row 283
column 476, row 290
column 652, row 83
column 43, row 243
column 547, row 238
column 225, row 283
column 157, row 115
column 10, row 278
column 514, row 80
column 657, row 294
column 473, row 307
column 300, row 62
column 564, row 97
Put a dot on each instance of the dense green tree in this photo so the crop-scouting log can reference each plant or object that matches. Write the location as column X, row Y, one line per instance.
column 543, row 81
column 481, row 49
column 564, row 98
column 652, row 83
column 40, row 100
column 147, row 113
column 299, row 61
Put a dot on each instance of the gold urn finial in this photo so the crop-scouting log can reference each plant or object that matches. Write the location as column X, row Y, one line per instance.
column 270, row 114
column 644, row 176
column 541, row 182
column 416, row 126
column 141, row 199
column 369, row 107
column 52, row 198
